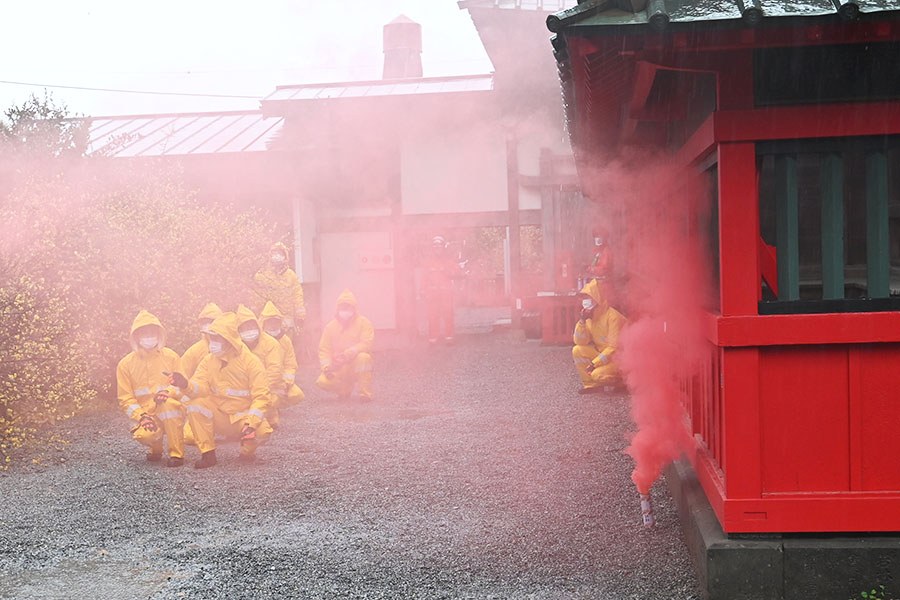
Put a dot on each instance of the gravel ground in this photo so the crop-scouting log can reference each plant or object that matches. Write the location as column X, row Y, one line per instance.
column 476, row 472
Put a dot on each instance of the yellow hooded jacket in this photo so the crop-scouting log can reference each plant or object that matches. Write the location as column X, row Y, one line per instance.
column 602, row 329
column 236, row 380
column 267, row 349
column 281, row 287
column 140, row 374
column 337, row 337
column 193, row 355
column 270, row 311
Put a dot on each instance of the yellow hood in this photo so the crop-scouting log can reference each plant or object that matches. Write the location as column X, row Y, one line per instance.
column 146, row 318
column 244, row 314
column 347, row 297
column 227, row 327
column 270, row 311
column 210, row 311
column 280, row 247
column 592, row 289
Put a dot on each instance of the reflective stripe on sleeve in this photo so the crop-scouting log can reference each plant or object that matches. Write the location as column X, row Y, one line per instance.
column 196, row 408
column 132, row 408
column 582, row 337
column 185, row 399
column 142, row 391
column 196, row 387
column 289, row 377
column 256, row 413
column 238, row 393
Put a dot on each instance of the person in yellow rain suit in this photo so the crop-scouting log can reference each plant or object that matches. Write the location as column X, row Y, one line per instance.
column 278, row 283
column 144, row 391
column 281, row 392
column 228, row 394
column 273, row 324
column 596, row 339
column 193, row 355
column 345, row 351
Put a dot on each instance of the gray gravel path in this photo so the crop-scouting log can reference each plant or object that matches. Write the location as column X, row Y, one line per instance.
column 476, row 472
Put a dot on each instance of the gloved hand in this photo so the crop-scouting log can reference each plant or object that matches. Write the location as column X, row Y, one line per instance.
column 586, row 314
column 176, row 379
column 161, row 396
column 589, row 367
column 147, row 423
column 248, row 434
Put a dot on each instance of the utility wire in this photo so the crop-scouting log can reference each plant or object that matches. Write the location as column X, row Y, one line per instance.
column 156, row 93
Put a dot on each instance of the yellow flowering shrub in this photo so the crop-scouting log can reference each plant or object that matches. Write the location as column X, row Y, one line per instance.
column 42, row 373
column 87, row 242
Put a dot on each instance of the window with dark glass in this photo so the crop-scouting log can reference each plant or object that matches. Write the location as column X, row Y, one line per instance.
column 827, row 73
column 830, row 219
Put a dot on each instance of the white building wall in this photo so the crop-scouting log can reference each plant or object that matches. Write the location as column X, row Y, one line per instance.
column 460, row 171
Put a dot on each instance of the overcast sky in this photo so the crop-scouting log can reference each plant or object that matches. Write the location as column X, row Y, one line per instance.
column 224, row 47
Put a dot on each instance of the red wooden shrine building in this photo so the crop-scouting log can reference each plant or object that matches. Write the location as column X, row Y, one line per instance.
column 792, row 111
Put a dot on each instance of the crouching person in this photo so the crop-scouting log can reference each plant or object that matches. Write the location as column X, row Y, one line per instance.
column 269, row 351
column 228, row 394
column 596, row 339
column 145, row 394
column 345, row 351
column 273, row 325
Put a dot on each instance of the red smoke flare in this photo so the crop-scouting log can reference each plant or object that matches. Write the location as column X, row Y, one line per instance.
column 660, row 224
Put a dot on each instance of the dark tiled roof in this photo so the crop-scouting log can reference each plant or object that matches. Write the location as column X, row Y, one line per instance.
column 598, row 13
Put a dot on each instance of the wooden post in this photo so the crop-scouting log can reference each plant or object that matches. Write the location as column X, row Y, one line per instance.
column 738, row 229
column 832, row 175
column 515, row 244
column 548, row 222
column 878, row 257
column 786, row 223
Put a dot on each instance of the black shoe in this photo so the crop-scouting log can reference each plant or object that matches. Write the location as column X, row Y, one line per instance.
column 591, row 390
column 153, row 457
column 175, row 461
column 207, row 459
column 246, row 458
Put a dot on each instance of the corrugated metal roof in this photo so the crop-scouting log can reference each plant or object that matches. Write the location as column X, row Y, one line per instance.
column 383, row 87
column 688, row 11
column 179, row 134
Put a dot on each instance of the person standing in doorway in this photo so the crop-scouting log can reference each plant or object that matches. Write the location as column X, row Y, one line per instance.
column 437, row 290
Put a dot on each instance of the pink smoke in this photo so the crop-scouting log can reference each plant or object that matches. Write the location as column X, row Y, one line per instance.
column 660, row 247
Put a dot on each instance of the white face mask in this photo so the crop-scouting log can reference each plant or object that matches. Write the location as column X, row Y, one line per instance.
column 345, row 315
column 216, row 348
column 148, row 342
column 598, row 241
column 250, row 335
column 274, row 332
column 587, row 304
